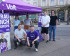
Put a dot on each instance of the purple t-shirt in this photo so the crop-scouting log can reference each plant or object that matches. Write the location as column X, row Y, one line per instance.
column 32, row 36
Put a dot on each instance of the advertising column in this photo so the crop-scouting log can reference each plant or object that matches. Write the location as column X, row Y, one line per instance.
column 39, row 22
column 39, row 26
column 5, row 43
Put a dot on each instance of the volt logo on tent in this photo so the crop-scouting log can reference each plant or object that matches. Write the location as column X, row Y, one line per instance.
column 12, row 7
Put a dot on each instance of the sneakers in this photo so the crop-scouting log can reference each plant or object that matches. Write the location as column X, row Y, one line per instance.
column 36, row 49
column 50, row 39
column 47, row 41
column 53, row 40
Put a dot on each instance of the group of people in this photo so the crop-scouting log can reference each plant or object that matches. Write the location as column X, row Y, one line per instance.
column 49, row 24
column 27, row 36
column 31, row 37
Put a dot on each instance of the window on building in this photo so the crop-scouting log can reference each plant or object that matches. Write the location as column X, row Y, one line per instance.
column 0, row 0
column 34, row 0
column 28, row 0
column 35, row 3
column 22, row 0
column 68, row 1
column 39, row 3
column 52, row 2
column 44, row 2
column 61, row 2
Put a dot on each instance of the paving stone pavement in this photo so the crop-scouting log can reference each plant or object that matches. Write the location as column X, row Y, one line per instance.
column 61, row 47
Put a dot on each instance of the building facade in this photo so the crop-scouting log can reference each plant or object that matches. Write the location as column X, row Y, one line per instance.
column 33, row 2
column 52, row 5
column 63, row 15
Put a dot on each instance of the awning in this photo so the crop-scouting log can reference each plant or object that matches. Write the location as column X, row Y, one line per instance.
column 18, row 7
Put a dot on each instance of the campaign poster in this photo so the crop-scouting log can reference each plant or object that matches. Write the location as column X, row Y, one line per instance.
column 5, row 43
column 39, row 21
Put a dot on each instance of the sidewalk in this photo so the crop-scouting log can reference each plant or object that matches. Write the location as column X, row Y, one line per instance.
column 61, row 47
column 63, row 25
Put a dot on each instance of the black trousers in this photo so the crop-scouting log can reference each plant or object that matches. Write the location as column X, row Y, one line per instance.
column 20, row 43
column 36, row 43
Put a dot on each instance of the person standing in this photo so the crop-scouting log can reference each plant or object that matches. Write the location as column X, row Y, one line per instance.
column 27, row 23
column 45, row 25
column 32, row 38
column 53, row 25
column 16, row 23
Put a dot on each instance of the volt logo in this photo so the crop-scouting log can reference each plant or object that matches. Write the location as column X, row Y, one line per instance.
column 12, row 7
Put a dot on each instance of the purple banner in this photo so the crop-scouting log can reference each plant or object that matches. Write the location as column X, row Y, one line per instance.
column 4, row 22
column 3, row 46
column 39, row 20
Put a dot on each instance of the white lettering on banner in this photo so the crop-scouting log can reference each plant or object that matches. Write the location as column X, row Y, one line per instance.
column 12, row 7
column 6, row 16
column 1, row 16
column 4, row 26
column 4, row 21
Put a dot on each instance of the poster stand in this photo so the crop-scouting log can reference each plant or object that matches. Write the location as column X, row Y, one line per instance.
column 5, row 43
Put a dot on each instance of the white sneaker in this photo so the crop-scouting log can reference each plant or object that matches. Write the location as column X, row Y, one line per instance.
column 36, row 49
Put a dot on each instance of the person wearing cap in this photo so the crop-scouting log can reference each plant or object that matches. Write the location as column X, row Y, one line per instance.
column 32, row 38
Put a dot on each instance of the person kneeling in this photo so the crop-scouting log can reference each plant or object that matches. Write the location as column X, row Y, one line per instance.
column 20, row 36
column 32, row 38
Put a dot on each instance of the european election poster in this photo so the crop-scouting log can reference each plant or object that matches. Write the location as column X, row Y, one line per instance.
column 39, row 23
column 39, row 20
column 5, row 43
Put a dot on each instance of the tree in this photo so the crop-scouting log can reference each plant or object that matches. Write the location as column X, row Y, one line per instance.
column 44, row 9
column 66, row 7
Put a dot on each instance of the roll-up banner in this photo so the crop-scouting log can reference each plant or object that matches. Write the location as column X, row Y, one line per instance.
column 5, row 43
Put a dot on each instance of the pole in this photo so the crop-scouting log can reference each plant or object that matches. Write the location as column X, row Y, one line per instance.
column 2, row 11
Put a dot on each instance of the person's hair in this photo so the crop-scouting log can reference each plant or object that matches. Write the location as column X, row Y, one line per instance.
column 27, row 15
column 31, row 25
column 51, row 11
column 46, row 12
column 17, row 16
column 19, row 24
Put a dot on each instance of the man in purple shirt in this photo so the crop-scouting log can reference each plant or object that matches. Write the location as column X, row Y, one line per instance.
column 32, row 38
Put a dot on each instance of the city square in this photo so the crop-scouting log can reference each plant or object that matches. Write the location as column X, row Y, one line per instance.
column 34, row 27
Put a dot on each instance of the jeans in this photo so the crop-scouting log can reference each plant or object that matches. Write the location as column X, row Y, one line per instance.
column 15, row 27
column 20, row 43
column 52, row 30
column 36, row 43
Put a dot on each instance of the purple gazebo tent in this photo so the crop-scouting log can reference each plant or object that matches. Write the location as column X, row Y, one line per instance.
column 18, row 7
column 14, row 7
